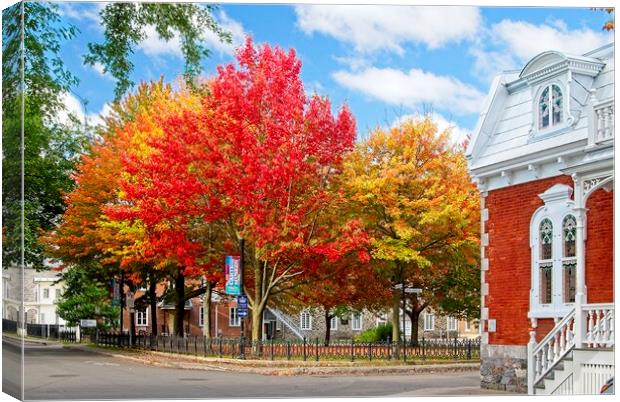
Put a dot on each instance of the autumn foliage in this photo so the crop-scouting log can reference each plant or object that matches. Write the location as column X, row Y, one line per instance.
column 180, row 177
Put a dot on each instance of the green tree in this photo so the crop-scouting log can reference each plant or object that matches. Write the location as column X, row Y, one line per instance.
column 34, row 77
column 125, row 27
column 85, row 297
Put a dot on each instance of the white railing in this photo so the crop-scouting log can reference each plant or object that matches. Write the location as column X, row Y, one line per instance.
column 599, row 322
column 603, row 121
column 565, row 388
column 596, row 332
column 553, row 347
column 287, row 321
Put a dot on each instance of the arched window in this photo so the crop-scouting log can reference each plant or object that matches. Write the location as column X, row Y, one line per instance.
column 569, row 260
column 554, row 257
column 550, row 106
column 545, row 262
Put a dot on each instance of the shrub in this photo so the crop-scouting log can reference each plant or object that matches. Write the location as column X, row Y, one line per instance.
column 380, row 333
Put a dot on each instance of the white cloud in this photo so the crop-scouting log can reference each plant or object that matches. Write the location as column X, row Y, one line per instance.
column 457, row 133
column 526, row 40
column 153, row 45
column 371, row 27
column 82, row 12
column 508, row 44
column 75, row 107
column 414, row 88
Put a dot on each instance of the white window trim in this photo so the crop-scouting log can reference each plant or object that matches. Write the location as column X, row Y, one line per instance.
column 454, row 321
column 333, row 323
column 430, row 327
column 356, row 321
column 145, row 315
column 46, row 293
column 565, row 115
column 302, row 321
column 233, row 319
column 557, row 206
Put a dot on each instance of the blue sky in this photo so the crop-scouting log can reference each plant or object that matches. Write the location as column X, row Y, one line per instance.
column 385, row 62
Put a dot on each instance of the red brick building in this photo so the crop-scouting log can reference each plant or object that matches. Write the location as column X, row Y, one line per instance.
column 542, row 155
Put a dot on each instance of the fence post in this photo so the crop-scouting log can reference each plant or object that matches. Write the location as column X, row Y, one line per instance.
column 456, row 352
column 288, row 350
column 423, row 348
column 352, row 349
column 370, row 350
column 271, row 348
column 304, row 348
column 469, row 349
column 405, row 350
column 389, row 345
column 220, row 347
column 317, row 348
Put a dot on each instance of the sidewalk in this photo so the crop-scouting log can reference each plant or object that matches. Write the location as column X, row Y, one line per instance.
column 284, row 367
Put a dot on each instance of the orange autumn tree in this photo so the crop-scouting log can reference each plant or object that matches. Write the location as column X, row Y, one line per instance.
column 411, row 189
column 86, row 237
column 255, row 163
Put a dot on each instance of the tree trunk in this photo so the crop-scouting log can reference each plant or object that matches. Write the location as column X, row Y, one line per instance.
column 258, row 305
column 153, row 304
column 206, row 311
column 414, row 316
column 396, row 323
column 179, row 288
column 328, row 326
column 132, row 327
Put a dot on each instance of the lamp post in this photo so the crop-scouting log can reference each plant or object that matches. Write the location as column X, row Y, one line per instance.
column 242, row 293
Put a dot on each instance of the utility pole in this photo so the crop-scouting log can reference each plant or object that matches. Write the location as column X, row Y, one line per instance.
column 121, row 290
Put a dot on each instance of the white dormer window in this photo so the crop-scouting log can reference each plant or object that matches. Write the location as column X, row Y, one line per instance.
column 550, row 107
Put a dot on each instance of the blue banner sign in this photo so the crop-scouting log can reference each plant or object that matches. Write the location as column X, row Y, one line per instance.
column 233, row 275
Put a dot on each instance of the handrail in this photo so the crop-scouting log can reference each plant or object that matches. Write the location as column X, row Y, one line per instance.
column 554, row 346
column 282, row 317
column 552, row 333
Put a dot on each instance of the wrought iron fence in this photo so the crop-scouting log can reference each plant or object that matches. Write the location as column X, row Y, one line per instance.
column 48, row 331
column 9, row 325
column 306, row 350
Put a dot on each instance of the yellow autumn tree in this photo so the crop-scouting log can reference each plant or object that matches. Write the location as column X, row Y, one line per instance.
column 411, row 188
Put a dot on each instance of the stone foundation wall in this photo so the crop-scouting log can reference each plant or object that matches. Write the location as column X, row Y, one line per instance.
column 504, row 368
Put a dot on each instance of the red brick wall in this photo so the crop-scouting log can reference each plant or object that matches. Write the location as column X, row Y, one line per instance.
column 508, row 252
column 600, row 246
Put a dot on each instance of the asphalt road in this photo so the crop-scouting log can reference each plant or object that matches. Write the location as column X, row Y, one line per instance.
column 56, row 372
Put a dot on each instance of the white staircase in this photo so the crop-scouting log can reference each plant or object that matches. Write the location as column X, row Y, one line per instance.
column 287, row 321
column 571, row 360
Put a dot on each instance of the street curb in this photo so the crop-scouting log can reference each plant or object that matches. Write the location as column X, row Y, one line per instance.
column 293, row 371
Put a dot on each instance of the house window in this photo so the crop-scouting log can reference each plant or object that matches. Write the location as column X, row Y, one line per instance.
column 42, row 318
column 201, row 317
column 545, row 262
column 467, row 325
column 550, row 105
column 142, row 319
column 305, row 320
column 356, row 321
column 429, row 322
column 58, row 293
column 554, row 260
column 46, row 293
column 452, row 324
column 333, row 323
column 382, row 319
column 569, row 260
column 233, row 318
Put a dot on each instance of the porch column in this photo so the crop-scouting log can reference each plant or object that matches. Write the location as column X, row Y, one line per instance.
column 580, row 280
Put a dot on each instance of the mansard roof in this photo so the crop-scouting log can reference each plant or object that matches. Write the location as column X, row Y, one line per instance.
column 505, row 136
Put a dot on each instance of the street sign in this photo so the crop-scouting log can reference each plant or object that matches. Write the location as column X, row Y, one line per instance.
column 88, row 323
column 233, row 275
column 242, row 306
